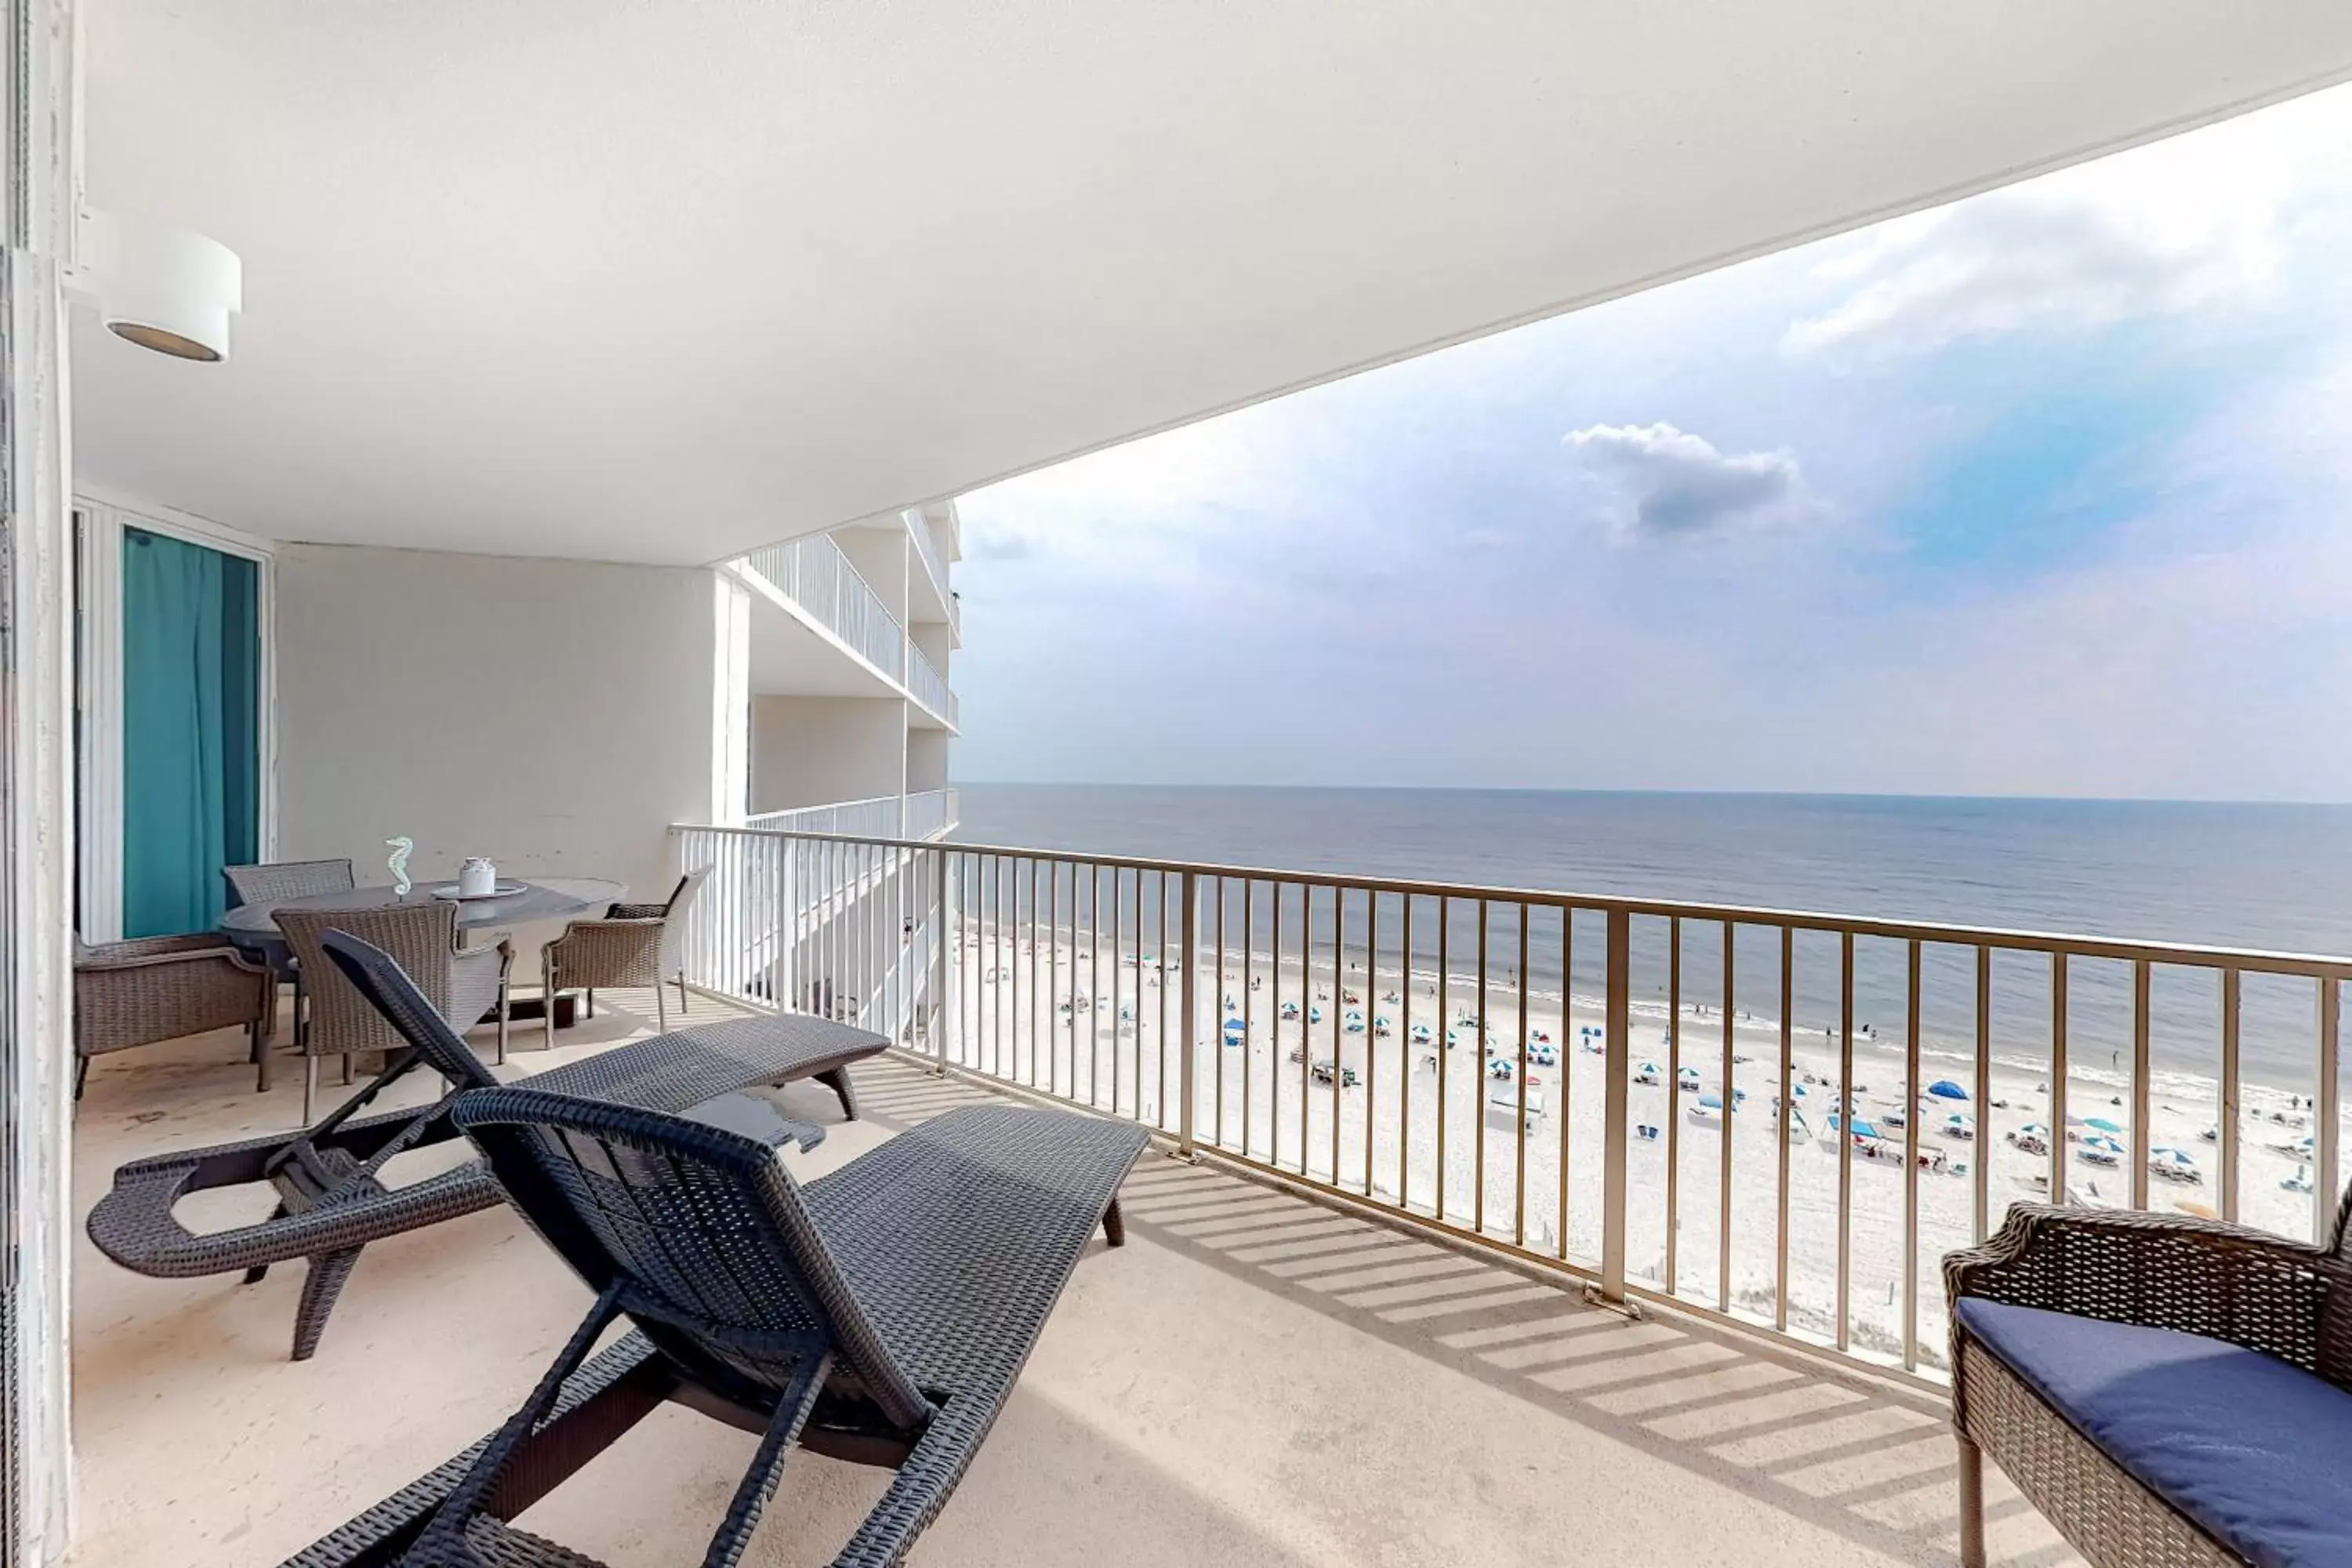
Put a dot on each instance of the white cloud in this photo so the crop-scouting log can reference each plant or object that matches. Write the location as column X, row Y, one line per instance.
column 2159, row 231
column 1669, row 485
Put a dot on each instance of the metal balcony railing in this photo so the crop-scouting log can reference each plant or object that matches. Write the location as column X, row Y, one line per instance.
column 927, row 549
column 814, row 574
column 1673, row 1100
column 928, row 687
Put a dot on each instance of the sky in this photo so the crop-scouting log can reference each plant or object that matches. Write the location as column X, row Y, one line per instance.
column 2047, row 492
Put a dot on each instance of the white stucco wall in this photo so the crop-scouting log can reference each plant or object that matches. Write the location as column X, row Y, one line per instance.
column 880, row 556
column 554, row 715
column 815, row 751
column 927, row 759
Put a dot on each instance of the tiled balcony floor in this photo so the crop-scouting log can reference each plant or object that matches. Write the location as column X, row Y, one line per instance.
column 1254, row 1378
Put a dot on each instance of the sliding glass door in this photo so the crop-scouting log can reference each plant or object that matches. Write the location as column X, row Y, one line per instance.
column 191, row 728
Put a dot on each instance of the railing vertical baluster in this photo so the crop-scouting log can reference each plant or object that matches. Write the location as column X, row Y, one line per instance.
column 1159, row 902
column 1443, row 1034
column 1249, row 1010
column 1338, row 1011
column 1013, row 1074
column 1478, row 1098
column 1846, row 1133
column 1371, row 1029
column 1673, row 1086
column 1186, row 1062
column 1305, row 1019
column 1911, row 1161
column 2229, row 1092
column 1568, row 1055
column 2058, row 1054
column 1094, row 994
column 938, row 1013
column 1274, row 1057
column 2327, row 1111
column 1061, row 996
column 1217, row 1134
column 1520, row 1150
column 1730, row 1106
column 1784, row 1117
column 1118, row 977
column 2140, row 1148
column 1618, row 1040
column 1981, row 1164
column 1404, row 1060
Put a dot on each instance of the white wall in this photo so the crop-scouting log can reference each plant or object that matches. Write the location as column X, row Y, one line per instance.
column 927, row 760
column 815, row 751
column 880, row 556
column 554, row 715
column 936, row 639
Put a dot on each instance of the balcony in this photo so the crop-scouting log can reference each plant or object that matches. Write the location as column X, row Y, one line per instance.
column 1431, row 1402
column 813, row 575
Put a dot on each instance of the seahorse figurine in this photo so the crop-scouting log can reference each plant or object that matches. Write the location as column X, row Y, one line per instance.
column 401, row 848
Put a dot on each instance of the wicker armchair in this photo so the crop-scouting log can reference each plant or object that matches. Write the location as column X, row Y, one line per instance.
column 2074, row 1365
column 422, row 938
column 634, row 944
column 157, row 988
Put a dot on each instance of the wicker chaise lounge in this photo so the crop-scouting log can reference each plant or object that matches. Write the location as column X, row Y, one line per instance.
column 2168, row 1391
column 330, row 1203
column 880, row 1314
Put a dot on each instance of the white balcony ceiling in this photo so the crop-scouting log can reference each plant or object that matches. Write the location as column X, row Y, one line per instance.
column 659, row 283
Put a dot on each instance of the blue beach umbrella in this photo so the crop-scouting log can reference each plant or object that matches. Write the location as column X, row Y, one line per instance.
column 1945, row 1089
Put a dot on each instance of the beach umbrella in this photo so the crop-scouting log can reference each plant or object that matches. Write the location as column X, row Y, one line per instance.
column 1710, row 1102
column 2171, row 1157
column 1688, row 1075
column 2108, row 1144
column 2103, row 1124
column 1945, row 1089
column 1864, row 1130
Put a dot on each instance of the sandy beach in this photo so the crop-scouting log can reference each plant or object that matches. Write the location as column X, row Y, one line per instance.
column 1350, row 1079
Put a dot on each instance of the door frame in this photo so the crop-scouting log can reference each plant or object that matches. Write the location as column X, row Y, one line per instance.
column 101, row 519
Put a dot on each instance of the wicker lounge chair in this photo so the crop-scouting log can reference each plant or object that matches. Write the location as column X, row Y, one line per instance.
column 634, row 944
column 2168, row 1391
column 880, row 1314
column 156, row 988
column 330, row 1202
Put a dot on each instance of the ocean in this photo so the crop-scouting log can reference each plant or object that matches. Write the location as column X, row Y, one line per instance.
column 2251, row 876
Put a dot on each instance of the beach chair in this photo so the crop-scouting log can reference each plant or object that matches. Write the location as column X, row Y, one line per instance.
column 880, row 1314
column 332, row 1201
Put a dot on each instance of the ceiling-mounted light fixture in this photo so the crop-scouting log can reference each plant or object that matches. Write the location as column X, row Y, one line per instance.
column 166, row 288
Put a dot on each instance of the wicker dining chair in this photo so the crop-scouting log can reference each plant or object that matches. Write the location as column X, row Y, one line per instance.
column 462, row 983
column 268, row 881
column 634, row 944
column 271, row 880
column 158, row 989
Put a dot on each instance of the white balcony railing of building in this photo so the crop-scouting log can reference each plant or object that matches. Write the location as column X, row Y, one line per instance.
column 877, row 817
column 928, row 687
column 814, row 574
column 932, row 812
column 926, row 814
column 1594, row 1085
column 926, row 547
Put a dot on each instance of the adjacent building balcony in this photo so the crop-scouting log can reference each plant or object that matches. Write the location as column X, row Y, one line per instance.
column 815, row 578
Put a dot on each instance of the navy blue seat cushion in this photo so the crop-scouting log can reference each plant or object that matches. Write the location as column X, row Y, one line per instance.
column 2259, row 1453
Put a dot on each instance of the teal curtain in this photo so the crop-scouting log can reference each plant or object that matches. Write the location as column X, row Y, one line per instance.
column 191, row 711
